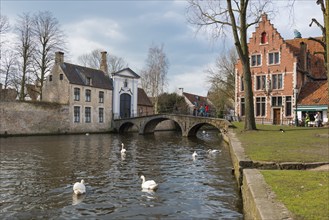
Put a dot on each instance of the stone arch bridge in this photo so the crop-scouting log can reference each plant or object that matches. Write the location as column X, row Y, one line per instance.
column 188, row 124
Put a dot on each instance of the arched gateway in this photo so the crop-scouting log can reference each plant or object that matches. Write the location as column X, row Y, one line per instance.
column 188, row 124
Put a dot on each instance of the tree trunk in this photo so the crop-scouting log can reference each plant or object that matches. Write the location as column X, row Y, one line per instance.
column 326, row 25
column 249, row 123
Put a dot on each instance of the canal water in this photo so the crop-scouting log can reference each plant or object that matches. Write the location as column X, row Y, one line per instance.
column 38, row 173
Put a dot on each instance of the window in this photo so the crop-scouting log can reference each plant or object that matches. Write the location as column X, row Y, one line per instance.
column 88, row 114
column 263, row 39
column 260, row 82
column 101, row 115
column 242, row 107
column 273, row 58
column 101, row 97
column 88, row 95
column 256, row 60
column 76, row 114
column 288, row 106
column 242, row 85
column 50, row 78
column 61, row 76
column 277, row 101
column 88, row 81
column 260, row 106
column 277, row 81
column 76, row 94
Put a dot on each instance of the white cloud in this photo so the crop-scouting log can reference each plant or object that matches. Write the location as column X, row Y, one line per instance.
column 89, row 34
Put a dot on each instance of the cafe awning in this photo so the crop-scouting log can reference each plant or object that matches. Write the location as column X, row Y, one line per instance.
column 306, row 108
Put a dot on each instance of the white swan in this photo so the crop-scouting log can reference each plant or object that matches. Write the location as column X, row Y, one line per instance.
column 150, row 184
column 123, row 150
column 210, row 151
column 79, row 188
column 194, row 154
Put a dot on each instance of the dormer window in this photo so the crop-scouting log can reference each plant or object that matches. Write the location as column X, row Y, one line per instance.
column 88, row 81
column 125, row 84
column 263, row 39
column 88, row 95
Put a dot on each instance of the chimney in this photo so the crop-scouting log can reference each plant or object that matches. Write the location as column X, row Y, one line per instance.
column 303, row 55
column 103, row 65
column 59, row 57
column 180, row 91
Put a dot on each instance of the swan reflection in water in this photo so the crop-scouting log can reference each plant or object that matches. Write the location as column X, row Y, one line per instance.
column 149, row 194
column 123, row 156
column 76, row 199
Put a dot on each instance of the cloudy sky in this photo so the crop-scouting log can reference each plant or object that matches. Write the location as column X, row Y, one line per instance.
column 128, row 29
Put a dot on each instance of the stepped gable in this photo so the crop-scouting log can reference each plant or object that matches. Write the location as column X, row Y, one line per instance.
column 265, row 25
column 78, row 75
column 314, row 93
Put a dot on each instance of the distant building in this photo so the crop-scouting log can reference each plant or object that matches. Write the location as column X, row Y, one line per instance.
column 282, row 70
column 195, row 102
column 144, row 105
column 8, row 94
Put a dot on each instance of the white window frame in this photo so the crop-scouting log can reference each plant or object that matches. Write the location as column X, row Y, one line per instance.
column 252, row 64
column 274, row 61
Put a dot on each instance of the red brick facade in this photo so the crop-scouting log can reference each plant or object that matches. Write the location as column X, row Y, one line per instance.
column 278, row 68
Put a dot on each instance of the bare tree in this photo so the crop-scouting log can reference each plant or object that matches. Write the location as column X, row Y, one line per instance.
column 4, row 24
column 4, row 28
column 8, row 69
column 93, row 60
column 25, row 49
column 154, row 75
column 234, row 16
column 49, row 39
column 324, row 42
column 222, row 81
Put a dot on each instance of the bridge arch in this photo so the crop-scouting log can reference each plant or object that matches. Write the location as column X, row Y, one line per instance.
column 196, row 127
column 189, row 125
column 149, row 126
column 126, row 127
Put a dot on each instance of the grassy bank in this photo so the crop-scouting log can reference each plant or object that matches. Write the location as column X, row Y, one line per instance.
column 295, row 144
column 304, row 193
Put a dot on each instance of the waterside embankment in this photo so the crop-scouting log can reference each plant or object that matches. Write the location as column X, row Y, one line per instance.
column 258, row 200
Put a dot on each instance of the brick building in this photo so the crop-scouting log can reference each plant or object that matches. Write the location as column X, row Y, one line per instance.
column 282, row 71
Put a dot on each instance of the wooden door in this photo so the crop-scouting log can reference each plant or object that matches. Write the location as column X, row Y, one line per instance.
column 276, row 116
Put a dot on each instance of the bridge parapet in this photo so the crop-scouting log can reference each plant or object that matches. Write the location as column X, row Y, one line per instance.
column 188, row 124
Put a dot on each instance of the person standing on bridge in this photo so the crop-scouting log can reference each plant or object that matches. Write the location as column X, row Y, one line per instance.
column 201, row 110
column 207, row 110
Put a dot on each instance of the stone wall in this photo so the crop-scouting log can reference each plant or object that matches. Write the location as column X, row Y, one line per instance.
column 33, row 118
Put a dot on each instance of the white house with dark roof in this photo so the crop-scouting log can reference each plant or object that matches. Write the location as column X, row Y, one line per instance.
column 87, row 91
column 125, row 93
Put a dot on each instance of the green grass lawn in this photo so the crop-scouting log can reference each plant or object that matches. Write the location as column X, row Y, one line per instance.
column 304, row 193
column 296, row 144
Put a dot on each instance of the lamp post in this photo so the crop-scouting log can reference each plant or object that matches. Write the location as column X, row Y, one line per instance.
column 296, row 116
